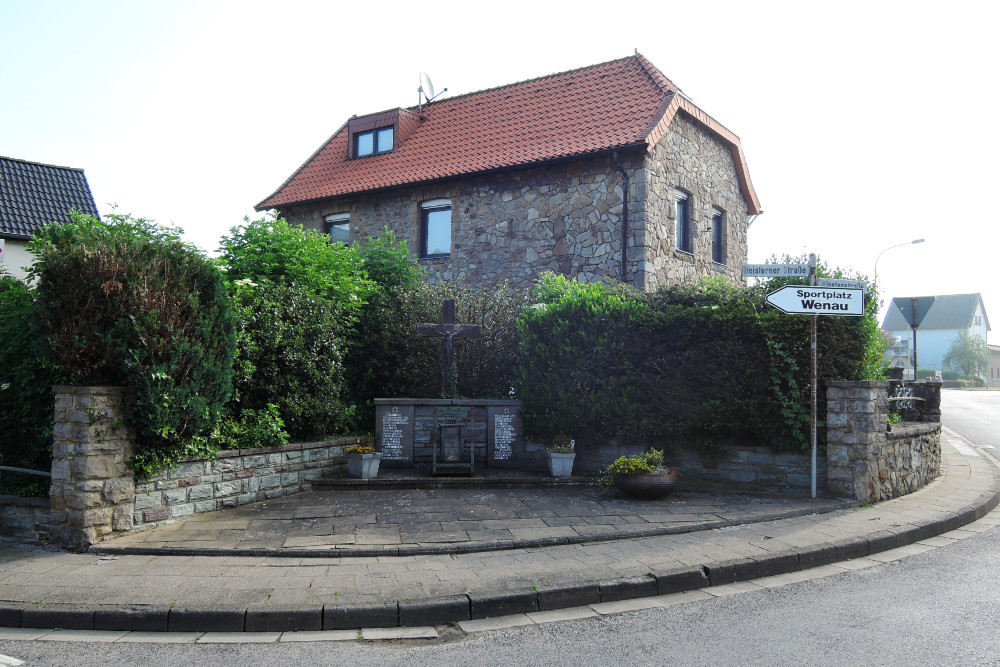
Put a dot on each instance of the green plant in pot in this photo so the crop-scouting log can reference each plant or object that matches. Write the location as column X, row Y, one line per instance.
column 362, row 459
column 561, row 455
column 641, row 475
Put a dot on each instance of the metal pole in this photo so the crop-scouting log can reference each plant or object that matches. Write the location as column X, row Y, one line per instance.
column 812, row 373
column 913, row 304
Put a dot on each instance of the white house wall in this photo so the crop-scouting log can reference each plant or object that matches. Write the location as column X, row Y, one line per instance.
column 16, row 257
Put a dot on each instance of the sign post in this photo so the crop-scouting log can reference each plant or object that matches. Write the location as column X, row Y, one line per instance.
column 823, row 296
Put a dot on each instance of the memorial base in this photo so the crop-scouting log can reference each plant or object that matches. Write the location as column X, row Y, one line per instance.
column 407, row 431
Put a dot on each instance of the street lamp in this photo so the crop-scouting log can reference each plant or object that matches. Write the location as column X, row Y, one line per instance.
column 900, row 245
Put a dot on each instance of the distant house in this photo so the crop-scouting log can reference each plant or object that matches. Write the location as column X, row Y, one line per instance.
column 33, row 195
column 950, row 315
column 994, row 365
column 604, row 172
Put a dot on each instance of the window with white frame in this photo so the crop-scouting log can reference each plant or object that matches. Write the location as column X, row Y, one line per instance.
column 435, row 228
column 682, row 222
column 338, row 226
column 718, row 236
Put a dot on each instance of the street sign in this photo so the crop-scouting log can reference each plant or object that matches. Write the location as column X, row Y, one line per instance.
column 914, row 311
column 775, row 270
column 837, row 282
column 1, row 251
column 805, row 300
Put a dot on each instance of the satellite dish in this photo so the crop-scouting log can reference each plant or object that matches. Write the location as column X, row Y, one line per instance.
column 426, row 87
column 425, row 93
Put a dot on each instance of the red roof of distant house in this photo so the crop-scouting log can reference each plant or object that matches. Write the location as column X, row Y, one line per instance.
column 618, row 104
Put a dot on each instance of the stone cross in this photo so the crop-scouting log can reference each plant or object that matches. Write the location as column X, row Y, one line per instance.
column 448, row 330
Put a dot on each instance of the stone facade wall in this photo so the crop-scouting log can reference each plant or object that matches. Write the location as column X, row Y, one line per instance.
column 691, row 158
column 92, row 489
column 236, row 477
column 567, row 217
column 24, row 519
column 865, row 460
column 511, row 225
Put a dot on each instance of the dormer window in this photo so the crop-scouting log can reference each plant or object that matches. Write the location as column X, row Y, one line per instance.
column 373, row 142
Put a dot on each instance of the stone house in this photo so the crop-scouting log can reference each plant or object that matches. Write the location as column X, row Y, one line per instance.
column 604, row 172
column 31, row 196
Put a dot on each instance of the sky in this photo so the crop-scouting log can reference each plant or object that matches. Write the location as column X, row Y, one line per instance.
column 864, row 124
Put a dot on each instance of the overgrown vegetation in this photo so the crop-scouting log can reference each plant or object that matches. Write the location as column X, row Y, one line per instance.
column 125, row 302
column 693, row 366
column 26, row 378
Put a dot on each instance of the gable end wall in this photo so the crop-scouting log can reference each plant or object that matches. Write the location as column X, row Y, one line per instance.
column 693, row 159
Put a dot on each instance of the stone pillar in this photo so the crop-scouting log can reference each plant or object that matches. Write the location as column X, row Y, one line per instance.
column 855, row 437
column 93, row 488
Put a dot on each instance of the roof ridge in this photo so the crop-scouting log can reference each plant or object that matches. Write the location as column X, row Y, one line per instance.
column 524, row 81
column 658, row 77
column 40, row 164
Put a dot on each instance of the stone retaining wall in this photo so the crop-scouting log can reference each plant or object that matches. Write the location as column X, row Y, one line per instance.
column 24, row 519
column 752, row 470
column 867, row 461
column 236, row 477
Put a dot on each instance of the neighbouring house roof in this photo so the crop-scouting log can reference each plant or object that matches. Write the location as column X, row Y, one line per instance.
column 33, row 195
column 950, row 311
column 619, row 104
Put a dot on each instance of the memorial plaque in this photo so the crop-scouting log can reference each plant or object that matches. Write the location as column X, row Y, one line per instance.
column 504, row 441
column 394, row 435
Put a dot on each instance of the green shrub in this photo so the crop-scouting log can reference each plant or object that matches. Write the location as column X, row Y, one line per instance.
column 577, row 361
column 289, row 355
column 271, row 250
column 26, row 378
column 126, row 302
column 694, row 366
column 251, row 429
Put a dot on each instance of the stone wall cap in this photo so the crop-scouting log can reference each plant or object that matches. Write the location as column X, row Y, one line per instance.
column 448, row 401
column 910, row 429
column 865, row 384
column 85, row 389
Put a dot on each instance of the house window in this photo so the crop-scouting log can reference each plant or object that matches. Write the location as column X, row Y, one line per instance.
column 718, row 236
column 682, row 222
column 373, row 142
column 338, row 226
column 979, row 320
column 435, row 228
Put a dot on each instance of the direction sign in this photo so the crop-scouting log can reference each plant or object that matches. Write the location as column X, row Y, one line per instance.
column 2, row 253
column 805, row 300
column 837, row 282
column 775, row 270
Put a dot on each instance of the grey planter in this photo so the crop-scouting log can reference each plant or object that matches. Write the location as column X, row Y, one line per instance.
column 363, row 466
column 560, row 465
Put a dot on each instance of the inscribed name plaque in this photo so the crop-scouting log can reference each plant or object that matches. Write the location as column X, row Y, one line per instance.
column 394, row 435
column 504, row 441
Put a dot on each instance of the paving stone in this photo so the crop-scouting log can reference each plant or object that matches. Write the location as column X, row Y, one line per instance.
column 559, row 615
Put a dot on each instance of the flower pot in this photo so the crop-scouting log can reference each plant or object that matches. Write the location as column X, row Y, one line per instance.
column 363, row 466
column 561, row 465
column 652, row 485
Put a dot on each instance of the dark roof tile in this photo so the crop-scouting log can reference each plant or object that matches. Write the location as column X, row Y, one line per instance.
column 33, row 195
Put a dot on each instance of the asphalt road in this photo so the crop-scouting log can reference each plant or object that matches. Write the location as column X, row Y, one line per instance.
column 975, row 415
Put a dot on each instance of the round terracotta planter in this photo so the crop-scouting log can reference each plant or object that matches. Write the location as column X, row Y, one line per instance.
column 654, row 485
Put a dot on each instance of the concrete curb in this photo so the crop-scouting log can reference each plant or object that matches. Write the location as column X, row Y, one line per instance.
column 479, row 605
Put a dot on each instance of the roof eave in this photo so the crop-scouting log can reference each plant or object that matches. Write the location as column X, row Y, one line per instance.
column 640, row 145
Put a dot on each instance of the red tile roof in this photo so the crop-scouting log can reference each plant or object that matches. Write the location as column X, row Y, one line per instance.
column 622, row 103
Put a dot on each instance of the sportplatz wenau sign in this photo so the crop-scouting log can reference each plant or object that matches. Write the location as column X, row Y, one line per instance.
column 830, row 297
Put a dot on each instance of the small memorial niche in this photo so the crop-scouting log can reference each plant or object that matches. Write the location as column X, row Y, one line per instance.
column 452, row 454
